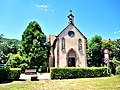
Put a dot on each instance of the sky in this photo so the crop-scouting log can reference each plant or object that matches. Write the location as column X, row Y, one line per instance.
column 91, row 17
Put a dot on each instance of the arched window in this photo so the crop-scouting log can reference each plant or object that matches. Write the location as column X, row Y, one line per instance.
column 80, row 45
column 63, row 43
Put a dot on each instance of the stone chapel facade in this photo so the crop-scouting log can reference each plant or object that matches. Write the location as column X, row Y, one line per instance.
column 68, row 48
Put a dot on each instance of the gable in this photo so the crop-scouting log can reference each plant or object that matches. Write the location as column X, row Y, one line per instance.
column 71, row 27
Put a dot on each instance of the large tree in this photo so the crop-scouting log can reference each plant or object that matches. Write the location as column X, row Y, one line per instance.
column 94, row 51
column 116, row 50
column 110, row 46
column 34, row 46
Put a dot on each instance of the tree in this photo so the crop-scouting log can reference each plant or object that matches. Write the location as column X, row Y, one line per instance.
column 94, row 52
column 114, row 66
column 8, row 46
column 34, row 46
column 110, row 46
column 116, row 50
column 14, row 60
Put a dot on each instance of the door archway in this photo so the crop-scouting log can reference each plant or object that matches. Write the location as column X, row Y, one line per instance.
column 71, row 58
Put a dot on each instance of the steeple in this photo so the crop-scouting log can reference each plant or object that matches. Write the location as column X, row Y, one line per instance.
column 70, row 18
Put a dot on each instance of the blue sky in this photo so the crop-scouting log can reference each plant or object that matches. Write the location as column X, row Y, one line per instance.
column 92, row 17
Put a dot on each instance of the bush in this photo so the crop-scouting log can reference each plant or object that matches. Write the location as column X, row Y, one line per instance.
column 23, row 66
column 4, row 74
column 74, row 72
column 15, row 73
column 14, row 61
column 9, row 74
column 114, row 64
column 118, row 70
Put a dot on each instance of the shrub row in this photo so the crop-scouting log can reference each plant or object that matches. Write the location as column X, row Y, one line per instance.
column 74, row 72
column 15, row 73
column 4, row 74
column 9, row 74
column 118, row 70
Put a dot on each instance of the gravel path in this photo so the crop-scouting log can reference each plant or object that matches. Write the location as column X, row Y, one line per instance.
column 40, row 76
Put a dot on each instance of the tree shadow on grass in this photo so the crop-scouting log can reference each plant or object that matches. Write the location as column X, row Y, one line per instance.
column 5, row 81
column 10, row 81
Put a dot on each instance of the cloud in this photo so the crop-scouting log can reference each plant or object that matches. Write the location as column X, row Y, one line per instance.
column 37, row 5
column 117, row 32
column 44, row 7
column 52, row 10
column 41, row 6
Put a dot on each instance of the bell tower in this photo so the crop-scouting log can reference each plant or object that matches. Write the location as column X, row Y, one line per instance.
column 70, row 18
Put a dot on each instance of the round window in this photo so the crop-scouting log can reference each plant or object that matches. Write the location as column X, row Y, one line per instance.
column 71, row 33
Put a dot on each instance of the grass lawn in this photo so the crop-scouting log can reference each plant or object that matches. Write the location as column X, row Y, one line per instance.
column 104, row 83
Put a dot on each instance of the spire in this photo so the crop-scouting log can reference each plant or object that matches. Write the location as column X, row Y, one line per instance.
column 70, row 18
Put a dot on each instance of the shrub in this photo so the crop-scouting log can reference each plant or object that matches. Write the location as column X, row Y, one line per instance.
column 74, row 72
column 14, row 60
column 4, row 74
column 114, row 64
column 118, row 70
column 15, row 73
column 9, row 74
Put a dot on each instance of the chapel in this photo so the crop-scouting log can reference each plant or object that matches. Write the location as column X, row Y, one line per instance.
column 68, row 48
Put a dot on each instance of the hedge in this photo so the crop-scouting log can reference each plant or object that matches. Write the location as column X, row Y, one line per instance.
column 9, row 74
column 118, row 70
column 15, row 73
column 4, row 74
column 74, row 72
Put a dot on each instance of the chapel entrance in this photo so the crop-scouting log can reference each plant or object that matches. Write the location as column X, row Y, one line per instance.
column 71, row 62
column 71, row 58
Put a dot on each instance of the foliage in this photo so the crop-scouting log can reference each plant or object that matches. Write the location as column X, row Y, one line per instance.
column 65, row 73
column 95, row 51
column 3, row 57
column 34, row 46
column 114, row 64
column 110, row 46
column 4, row 74
column 7, row 74
column 8, row 46
column 118, row 70
column 15, row 73
column 23, row 66
column 14, row 61
column 44, row 67
column 116, row 50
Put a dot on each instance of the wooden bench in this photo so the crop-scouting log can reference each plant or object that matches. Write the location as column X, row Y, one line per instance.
column 30, row 71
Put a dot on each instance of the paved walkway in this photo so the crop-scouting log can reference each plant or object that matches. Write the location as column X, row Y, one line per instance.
column 40, row 76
